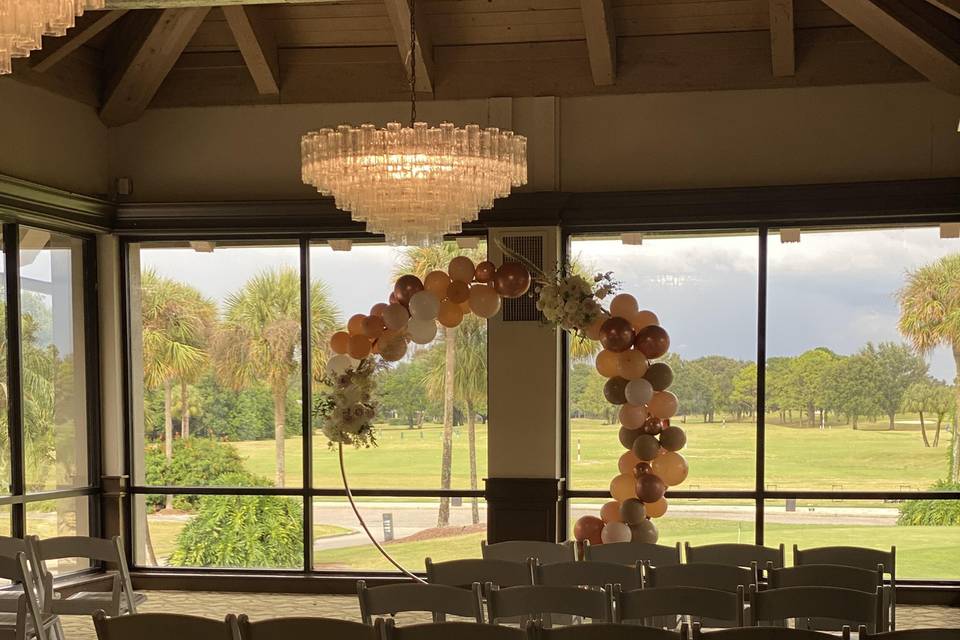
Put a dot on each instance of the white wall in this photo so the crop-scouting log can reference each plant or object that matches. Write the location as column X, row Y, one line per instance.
column 51, row 140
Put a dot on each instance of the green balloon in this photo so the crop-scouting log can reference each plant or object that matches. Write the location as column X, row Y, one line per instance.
column 659, row 375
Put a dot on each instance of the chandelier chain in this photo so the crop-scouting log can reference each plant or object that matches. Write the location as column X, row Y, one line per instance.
column 412, row 5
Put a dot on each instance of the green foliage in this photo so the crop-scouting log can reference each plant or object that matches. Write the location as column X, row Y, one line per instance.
column 705, row 385
column 586, row 393
column 897, row 367
column 941, row 513
column 242, row 531
column 400, row 392
column 852, row 388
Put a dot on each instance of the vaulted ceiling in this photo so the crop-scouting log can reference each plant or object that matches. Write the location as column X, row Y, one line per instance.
column 141, row 54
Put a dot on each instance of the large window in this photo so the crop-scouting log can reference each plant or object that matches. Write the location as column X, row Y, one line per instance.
column 859, row 387
column 222, row 439
column 47, row 472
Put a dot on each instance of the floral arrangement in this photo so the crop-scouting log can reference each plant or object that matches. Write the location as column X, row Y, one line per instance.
column 573, row 302
column 347, row 408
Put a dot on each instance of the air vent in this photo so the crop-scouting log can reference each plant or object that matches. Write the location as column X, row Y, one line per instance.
column 523, row 309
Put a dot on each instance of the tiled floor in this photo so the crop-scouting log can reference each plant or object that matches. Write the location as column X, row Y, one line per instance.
column 265, row 605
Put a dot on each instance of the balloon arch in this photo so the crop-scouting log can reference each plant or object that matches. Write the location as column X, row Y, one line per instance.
column 632, row 340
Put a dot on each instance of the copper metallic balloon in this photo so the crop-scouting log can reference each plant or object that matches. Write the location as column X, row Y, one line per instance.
column 359, row 347
column 659, row 375
column 512, row 280
column 373, row 327
column 378, row 309
column 673, row 439
column 615, row 390
column 642, row 468
column 657, row 509
column 652, row 341
column 405, row 288
column 355, row 324
column 645, row 532
column 458, row 292
column 627, row 436
column 588, row 528
column 340, row 342
column 645, row 447
column 610, row 512
column 623, row 487
column 633, row 416
column 616, row 334
column 632, row 511
column 437, row 282
column 650, row 487
column 671, row 467
column 663, row 404
column 653, row 426
column 608, row 363
column 628, row 462
column 461, row 268
column 484, row 272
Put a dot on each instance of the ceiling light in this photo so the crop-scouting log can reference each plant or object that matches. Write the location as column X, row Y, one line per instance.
column 23, row 23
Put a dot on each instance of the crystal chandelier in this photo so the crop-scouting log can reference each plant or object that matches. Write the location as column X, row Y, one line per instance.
column 24, row 22
column 414, row 184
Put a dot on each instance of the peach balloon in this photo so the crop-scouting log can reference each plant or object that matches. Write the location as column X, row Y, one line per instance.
column 671, row 467
column 437, row 282
column 465, row 307
column 458, row 291
column 484, row 301
column 623, row 487
column 593, row 329
column 663, row 405
column 633, row 416
column 355, row 324
column 359, row 347
column 340, row 342
column 610, row 512
column 628, row 462
column 378, row 309
column 373, row 327
column 450, row 314
column 657, row 509
column 462, row 269
column 632, row 364
column 608, row 363
column 624, row 306
column 643, row 319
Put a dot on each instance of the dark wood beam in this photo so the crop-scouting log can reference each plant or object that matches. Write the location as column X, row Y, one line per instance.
column 88, row 25
column 399, row 13
column 601, row 36
column 783, row 50
column 258, row 46
column 148, row 47
column 950, row 6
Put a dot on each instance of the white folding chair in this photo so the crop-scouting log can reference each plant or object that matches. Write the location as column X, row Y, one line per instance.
column 766, row 633
column 23, row 618
column 164, row 626
column 463, row 573
column 522, row 550
column 910, row 634
column 655, row 555
column 437, row 599
column 721, row 577
column 9, row 548
column 448, row 631
column 586, row 574
column 846, row 606
column 539, row 602
column 608, row 631
column 698, row 603
column 304, row 629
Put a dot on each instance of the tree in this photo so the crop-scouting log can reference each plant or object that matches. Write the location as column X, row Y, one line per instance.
column 916, row 400
column 779, row 393
column 851, row 388
column 420, row 261
column 929, row 396
column 259, row 340
column 896, row 369
column 399, row 391
column 807, row 381
column 743, row 397
column 930, row 316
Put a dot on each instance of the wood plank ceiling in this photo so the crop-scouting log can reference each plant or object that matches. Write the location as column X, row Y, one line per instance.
column 169, row 53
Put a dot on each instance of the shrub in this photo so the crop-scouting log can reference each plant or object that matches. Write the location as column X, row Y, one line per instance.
column 242, row 531
column 940, row 513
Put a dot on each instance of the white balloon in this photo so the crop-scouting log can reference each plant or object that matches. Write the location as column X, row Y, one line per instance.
column 421, row 330
column 395, row 316
column 424, row 304
column 339, row 364
column 639, row 391
column 615, row 532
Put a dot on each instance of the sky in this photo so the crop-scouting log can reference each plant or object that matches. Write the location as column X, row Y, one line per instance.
column 835, row 289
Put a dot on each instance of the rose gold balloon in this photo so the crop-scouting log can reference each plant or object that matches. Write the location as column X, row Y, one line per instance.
column 608, row 363
column 650, row 488
column 653, row 425
column 405, row 288
column 616, row 334
column 641, row 468
column 623, row 487
column 657, row 509
column 512, row 280
column 624, row 306
column 392, row 346
column 632, row 364
column 588, row 528
column 663, row 404
column 378, row 309
column 437, row 282
column 392, row 298
column 450, row 314
column 628, row 462
column 355, row 324
column 643, row 319
column 458, row 292
column 373, row 327
column 484, row 301
column 359, row 347
column 461, row 268
column 484, row 272
column 671, row 467
column 633, row 416
column 610, row 512
column 652, row 341
column 340, row 342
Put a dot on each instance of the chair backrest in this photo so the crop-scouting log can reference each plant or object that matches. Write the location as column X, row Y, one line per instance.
column 522, row 550
column 846, row 605
column 606, row 631
column 739, row 555
column 825, row 575
column 538, row 600
column 860, row 557
column 163, row 626
column 587, row 574
column 655, row 555
column 722, row 577
column 10, row 547
column 910, row 634
column 764, row 633
column 29, row 605
column 439, row 599
column 643, row 604
column 448, row 631
column 305, row 629
column 109, row 550
column 463, row 573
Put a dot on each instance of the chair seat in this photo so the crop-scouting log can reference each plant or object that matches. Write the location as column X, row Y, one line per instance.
column 9, row 620
column 88, row 602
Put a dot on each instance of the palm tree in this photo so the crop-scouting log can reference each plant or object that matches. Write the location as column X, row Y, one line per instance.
column 930, row 316
column 259, row 340
column 177, row 322
column 420, row 261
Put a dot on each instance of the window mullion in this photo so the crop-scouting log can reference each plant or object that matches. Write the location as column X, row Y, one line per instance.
column 761, row 380
column 306, row 402
column 11, row 249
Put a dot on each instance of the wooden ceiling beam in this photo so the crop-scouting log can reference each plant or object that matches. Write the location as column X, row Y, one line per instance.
column 185, row 4
column 950, row 6
column 908, row 36
column 146, row 49
column 258, row 46
column 399, row 13
column 783, row 50
column 601, row 40
column 88, row 25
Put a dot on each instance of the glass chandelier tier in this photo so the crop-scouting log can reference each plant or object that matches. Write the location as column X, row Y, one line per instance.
column 415, row 183
column 23, row 23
